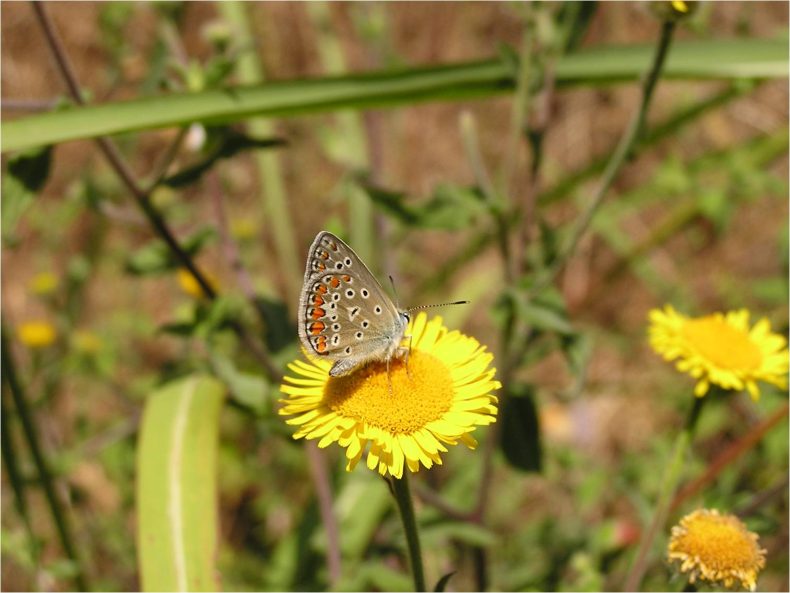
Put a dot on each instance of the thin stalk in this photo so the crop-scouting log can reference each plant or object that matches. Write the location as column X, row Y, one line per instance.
column 113, row 155
column 318, row 472
column 59, row 514
column 668, row 486
column 402, row 494
column 140, row 195
column 496, row 204
column 620, row 156
column 9, row 456
column 730, row 454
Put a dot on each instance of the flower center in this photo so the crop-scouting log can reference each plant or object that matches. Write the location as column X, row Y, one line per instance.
column 400, row 403
column 722, row 344
column 721, row 546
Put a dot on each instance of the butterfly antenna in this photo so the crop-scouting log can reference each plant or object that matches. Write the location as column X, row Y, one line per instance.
column 437, row 305
column 423, row 306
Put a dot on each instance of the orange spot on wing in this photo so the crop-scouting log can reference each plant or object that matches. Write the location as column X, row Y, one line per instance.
column 334, row 282
column 321, row 289
column 320, row 345
column 318, row 300
column 346, row 278
column 321, row 266
column 317, row 313
column 324, row 255
column 317, row 327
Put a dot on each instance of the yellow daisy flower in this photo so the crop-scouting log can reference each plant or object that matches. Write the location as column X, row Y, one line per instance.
column 407, row 417
column 720, row 349
column 716, row 548
column 191, row 286
column 36, row 334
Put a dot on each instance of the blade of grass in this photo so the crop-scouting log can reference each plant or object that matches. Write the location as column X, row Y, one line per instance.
column 707, row 59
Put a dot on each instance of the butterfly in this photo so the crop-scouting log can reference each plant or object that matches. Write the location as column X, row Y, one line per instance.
column 344, row 314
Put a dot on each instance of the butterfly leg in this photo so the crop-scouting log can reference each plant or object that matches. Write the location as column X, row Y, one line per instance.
column 389, row 378
column 408, row 352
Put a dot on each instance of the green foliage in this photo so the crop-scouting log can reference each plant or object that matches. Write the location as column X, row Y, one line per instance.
column 26, row 174
column 156, row 257
column 222, row 143
column 521, row 429
column 163, row 403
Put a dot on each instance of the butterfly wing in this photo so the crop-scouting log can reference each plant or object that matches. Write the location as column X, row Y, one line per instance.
column 344, row 313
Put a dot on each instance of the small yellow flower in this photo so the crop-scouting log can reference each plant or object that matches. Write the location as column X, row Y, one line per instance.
column 407, row 416
column 243, row 229
column 673, row 10
column 86, row 342
column 716, row 548
column 44, row 283
column 720, row 349
column 190, row 286
column 36, row 334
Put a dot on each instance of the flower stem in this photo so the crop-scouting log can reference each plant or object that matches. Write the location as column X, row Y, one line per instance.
column 402, row 494
column 668, row 486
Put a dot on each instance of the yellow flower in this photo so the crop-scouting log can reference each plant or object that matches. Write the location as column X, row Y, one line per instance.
column 243, row 229
column 716, row 548
column 721, row 349
column 86, row 341
column 36, row 334
column 44, row 283
column 190, row 286
column 407, row 417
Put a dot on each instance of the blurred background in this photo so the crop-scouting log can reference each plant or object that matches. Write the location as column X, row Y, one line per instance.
column 698, row 219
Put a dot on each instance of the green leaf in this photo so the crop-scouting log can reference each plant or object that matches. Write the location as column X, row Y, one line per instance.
column 176, row 488
column 156, row 257
column 520, row 440
column 25, row 175
column 449, row 208
column 363, row 504
column 441, row 584
column 228, row 143
column 248, row 390
column 724, row 58
column 32, row 167
column 544, row 312
column 577, row 349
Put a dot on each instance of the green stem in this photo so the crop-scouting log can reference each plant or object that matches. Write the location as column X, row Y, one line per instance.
column 402, row 494
column 620, row 156
column 15, row 477
column 668, row 487
column 59, row 514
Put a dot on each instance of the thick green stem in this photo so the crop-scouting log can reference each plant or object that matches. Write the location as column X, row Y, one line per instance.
column 402, row 493
column 59, row 514
column 668, row 487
